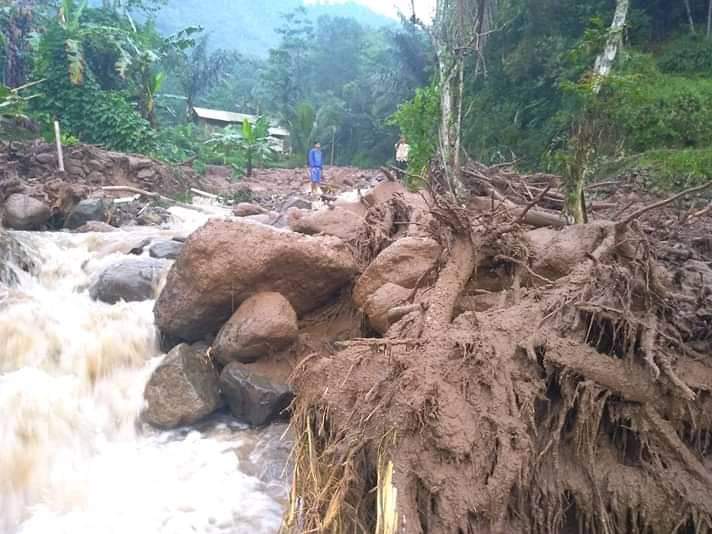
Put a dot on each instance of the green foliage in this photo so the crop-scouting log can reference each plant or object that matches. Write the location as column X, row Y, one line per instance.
column 302, row 125
column 665, row 170
column 99, row 117
column 12, row 103
column 248, row 145
column 351, row 79
column 662, row 111
column 418, row 120
column 689, row 55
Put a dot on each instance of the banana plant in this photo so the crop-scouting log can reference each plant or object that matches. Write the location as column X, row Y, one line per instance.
column 12, row 104
column 249, row 144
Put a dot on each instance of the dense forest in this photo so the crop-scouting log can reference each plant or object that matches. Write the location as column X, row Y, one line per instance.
column 124, row 77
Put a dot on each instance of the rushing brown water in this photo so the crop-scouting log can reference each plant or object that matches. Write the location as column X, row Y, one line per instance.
column 74, row 458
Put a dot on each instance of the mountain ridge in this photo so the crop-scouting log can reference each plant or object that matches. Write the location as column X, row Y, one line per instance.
column 248, row 26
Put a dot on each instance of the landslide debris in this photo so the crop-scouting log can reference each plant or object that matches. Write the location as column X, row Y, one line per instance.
column 541, row 377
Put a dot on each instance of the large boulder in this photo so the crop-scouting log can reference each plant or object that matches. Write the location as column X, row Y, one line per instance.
column 167, row 250
column 225, row 262
column 183, row 389
column 264, row 324
column 92, row 209
column 130, row 280
column 403, row 263
column 23, row 212
column 336, row 221
column 252, row 398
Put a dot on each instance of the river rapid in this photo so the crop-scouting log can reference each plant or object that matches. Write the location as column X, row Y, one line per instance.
column 74, row 456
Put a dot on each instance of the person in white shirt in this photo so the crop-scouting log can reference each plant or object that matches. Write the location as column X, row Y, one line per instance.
column 402, row 152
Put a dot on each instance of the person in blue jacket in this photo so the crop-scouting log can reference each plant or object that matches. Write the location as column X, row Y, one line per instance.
column 315, row 168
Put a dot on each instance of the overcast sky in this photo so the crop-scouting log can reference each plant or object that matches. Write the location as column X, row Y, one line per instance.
column 390, row 8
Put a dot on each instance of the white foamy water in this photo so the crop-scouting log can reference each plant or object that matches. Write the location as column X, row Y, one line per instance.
column 74, row 458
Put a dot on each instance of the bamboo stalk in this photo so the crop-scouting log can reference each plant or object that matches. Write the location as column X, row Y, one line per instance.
column 58, row 139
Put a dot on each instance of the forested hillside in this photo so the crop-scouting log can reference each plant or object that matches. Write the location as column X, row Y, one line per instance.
column 249, row 26
column 654, row 111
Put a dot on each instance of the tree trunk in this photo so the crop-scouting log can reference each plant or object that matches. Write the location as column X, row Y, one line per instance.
column 689, row 16
column 249, row 164
column 709, row 19
column 604, row 62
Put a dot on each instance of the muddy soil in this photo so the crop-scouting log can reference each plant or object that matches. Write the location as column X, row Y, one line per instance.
column 537, row 380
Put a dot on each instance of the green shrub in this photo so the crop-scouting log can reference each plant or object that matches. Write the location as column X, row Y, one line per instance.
column 662, row 111
column 689, row 55
column 418, row 121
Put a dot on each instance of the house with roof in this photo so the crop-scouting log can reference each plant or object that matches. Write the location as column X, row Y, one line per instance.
column 213, row 119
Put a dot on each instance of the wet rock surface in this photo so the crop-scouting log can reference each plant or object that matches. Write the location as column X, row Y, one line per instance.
column 169, row 249
column 130, row 280
column 22, row 212
column 183, row 389
column 93, row 209
column 264, row 324
column 252, row 398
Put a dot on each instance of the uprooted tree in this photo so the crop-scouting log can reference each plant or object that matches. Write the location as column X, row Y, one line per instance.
column 534, row 380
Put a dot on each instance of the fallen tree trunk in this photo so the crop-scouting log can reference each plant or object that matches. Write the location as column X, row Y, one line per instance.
column 533, row 217
column 156, row 196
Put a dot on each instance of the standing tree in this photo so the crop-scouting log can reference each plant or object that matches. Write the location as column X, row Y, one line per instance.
column 459, row 30
column 17, row 20
column 249, row 145
column 288, row 64
column 198, row 71
column 583, row 138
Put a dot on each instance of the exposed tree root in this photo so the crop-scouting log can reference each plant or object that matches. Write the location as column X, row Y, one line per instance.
column 582, row 405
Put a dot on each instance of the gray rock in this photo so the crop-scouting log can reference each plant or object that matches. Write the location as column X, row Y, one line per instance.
column 14, row 257
column 46, row 158
column 183, row 389
column 144, row 174
column 264, row 324
column 165, row 250
column 253, row 398
column 130, row 280
column 92, row 209
column 23, row 212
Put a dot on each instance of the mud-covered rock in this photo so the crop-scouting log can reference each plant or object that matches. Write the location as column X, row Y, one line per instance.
column 168, row 250
column 183, row 389
column 22, row 212
column 296, row 202
column 225, row 262
column 91, row 209
column 245, row 209
column 130, row 280
column 252, row 398
column 264, row 324
column 403, row 263
column 336, row 221
column 383, row 300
